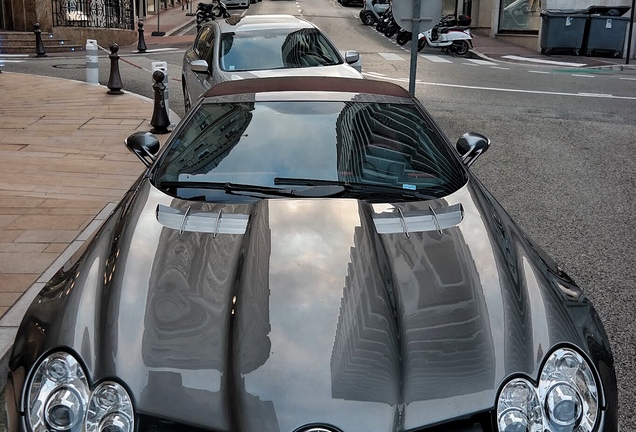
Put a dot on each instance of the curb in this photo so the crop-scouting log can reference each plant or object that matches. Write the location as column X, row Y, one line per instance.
column 174, row 31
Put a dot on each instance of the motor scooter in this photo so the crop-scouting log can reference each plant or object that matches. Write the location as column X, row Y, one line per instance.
column 454, row 38
column 210, row 11
column 385, row 19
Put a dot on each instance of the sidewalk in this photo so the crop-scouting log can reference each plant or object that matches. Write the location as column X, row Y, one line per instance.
column 64, row 167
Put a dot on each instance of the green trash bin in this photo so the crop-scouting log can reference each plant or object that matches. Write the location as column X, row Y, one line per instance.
column 606, row 30
column 562, row 30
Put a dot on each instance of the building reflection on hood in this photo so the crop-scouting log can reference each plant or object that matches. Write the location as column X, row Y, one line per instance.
column 444, row 341
column 191, row 329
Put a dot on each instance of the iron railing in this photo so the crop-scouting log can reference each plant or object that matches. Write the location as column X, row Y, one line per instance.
column 94, row 13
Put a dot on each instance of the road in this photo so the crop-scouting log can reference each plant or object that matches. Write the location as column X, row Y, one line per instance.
column 561, row 160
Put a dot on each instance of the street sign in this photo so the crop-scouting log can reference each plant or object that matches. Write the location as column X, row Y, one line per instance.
column 430, row 13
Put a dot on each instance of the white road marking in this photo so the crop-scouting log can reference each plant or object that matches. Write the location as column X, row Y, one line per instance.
column 3, row 60
column 392, row 57
column 541, row 72
column 13, row 55
column 548, row 93
column 583, row 75
column 602, row 95
column 481, row 62
column 159, row 50
column 435, row 59
column 375, row 74
column 536, row 60
column 628, row 79
column 499, row 67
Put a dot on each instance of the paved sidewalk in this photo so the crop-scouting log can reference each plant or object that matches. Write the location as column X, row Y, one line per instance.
column 64, row 165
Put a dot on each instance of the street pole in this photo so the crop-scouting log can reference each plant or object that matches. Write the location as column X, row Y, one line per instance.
column 158, row 10
column 630, row 33
column 190, row 6
column 415, row 31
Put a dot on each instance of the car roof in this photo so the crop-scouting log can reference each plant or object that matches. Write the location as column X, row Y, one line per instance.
column 307, row 84
column 262, row 22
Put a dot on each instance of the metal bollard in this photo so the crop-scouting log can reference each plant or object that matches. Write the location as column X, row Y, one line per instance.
column 163, row 67
column 92, row 62
column 160, row 121
column 141, row 45
column 114, row 80
column 39, row 46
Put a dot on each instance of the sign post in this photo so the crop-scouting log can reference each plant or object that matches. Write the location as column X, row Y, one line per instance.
column 416, row 16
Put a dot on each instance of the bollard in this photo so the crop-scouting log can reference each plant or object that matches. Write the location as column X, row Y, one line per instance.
column 39, row 46
column 114, row 80
column 92, row 62
column 163, row 67
column 141, row 45
column 160, row 121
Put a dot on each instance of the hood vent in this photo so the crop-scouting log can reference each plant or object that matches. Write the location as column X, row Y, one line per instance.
column 201, row 221
column 418, row 221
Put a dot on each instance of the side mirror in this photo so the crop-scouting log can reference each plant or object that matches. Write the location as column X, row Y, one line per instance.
column 144, row 145
column 471, row 145
column 353, row 58
column 199, row 66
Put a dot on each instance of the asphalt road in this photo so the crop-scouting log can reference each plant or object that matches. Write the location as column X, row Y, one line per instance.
column 561, row 160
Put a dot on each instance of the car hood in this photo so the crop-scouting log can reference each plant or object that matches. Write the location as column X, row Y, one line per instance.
column 279, row 313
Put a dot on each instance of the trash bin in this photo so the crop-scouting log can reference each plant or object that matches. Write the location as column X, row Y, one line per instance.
column 562, row 29
column 606, row 30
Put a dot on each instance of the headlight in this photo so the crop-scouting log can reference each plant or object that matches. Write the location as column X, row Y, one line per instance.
column 59, row 399
column 110, row 409
column 566, row 399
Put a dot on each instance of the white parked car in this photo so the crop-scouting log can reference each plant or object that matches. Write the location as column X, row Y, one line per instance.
column 261, row 46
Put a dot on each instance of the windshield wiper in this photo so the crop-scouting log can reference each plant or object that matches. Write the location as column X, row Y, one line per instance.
column 247, row 189
column 355, row 188
column 229, row 188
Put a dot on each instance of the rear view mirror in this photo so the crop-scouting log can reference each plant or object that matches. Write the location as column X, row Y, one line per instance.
column 199, row 66
column 471, row 145
column 353, row 58
column 144, row 145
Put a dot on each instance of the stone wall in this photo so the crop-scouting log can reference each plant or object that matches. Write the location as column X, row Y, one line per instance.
column 23, row 14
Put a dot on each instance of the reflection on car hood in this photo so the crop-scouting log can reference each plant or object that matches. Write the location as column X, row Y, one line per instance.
column 342, row 70
column 297, row 311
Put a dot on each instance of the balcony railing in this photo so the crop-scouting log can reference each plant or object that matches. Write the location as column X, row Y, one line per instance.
column 94, row 13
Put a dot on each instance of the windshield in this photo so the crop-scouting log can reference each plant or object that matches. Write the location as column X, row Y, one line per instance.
column 259, row 143
column 276, row 49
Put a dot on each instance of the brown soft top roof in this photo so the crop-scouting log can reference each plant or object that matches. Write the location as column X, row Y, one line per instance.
column 308, row 83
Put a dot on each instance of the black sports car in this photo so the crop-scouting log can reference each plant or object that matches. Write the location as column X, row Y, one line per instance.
column 310, row 255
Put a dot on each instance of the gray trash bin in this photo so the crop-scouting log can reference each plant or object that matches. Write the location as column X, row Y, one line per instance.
column 606, row 30
column 562, row 30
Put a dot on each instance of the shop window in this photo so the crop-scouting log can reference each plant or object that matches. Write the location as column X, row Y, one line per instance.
column 520, row 16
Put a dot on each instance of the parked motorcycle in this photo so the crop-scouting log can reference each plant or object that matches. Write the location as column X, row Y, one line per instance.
column 391, row 28
column 386, row 17
column 403, row 37
column 454, row 38
column 210, row 11
column 372, row 11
